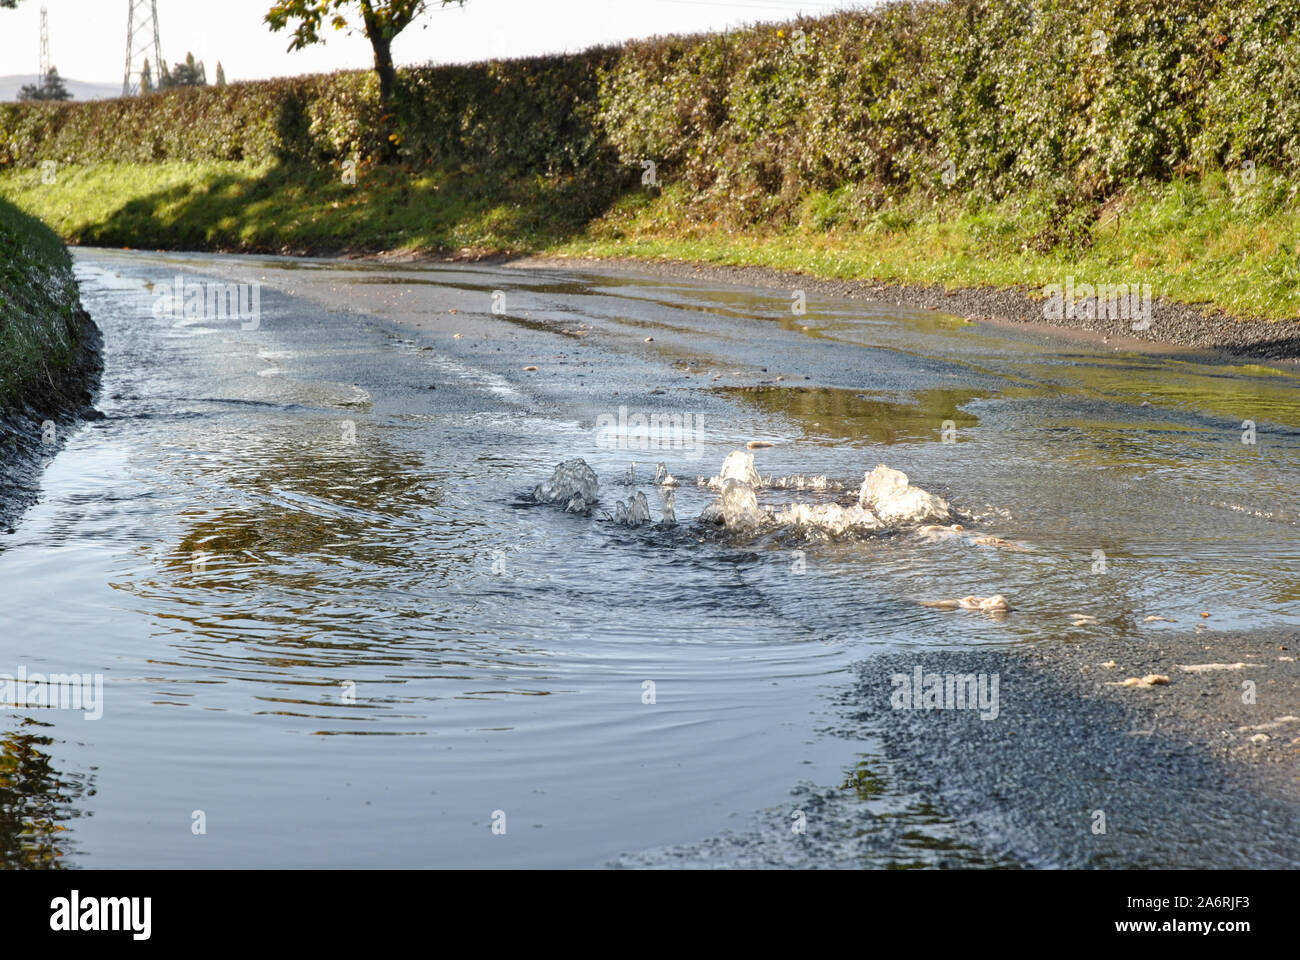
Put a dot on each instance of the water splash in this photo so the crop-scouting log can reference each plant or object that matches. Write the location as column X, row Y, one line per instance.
column 888, row 493
column 739, row 465
column 663, row 478
column 886, row 498
column 826, row 519
column 668, row 500
column 573, row 483
column 633, row 513
column 819, row 483
column 736, row 507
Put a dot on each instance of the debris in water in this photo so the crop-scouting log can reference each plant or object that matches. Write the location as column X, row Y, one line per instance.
column 572, row 480
column 940, row 530
column 759, row 444
column 1147, row 682
column 529, row 369
column 996, row 603
column 1280, row 721
column 1109, row 664
column 1208, row 667
column 1153, row 618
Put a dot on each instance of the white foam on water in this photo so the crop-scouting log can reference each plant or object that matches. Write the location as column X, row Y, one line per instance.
column 739, row 465
column 885, row 499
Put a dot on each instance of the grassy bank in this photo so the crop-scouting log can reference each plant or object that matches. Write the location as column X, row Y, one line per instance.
column 40, row 322
column 966, row 142
column 1216, row 240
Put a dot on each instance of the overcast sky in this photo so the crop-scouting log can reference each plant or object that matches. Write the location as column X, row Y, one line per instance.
column 88, row 37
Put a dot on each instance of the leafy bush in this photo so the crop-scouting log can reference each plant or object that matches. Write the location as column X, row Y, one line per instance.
column 988, row 97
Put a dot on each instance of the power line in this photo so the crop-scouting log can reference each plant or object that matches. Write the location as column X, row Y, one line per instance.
column 141, row 41
column 45, row 43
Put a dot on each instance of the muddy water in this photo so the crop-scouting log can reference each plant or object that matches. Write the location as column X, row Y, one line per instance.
column 334, row 631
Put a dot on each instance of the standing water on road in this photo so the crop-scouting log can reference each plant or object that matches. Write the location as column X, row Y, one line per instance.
column 335, row 627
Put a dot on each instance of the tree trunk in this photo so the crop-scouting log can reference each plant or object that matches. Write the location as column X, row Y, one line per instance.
column 387, row 90
column 384, row 67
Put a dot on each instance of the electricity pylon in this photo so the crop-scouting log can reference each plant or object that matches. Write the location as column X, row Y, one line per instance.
column 45, row 44
column 141, row 43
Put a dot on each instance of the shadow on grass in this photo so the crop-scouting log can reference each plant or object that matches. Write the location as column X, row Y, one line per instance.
column 298, row 208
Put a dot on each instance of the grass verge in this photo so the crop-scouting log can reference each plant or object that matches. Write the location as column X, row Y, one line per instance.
column 39, row 324
column 1215, row 241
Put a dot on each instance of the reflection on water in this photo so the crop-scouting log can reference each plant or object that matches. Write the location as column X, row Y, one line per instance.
column 325, row 608
column 842, row 414
column 36, row 802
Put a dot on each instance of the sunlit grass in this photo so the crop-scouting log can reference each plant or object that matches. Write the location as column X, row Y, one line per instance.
column 1214, row 241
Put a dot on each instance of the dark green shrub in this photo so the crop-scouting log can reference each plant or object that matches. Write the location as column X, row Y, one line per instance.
column 985, row 98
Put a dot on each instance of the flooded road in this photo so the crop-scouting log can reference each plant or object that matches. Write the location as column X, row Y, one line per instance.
column 334, row 630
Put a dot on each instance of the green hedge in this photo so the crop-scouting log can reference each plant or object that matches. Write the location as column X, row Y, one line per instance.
column 316, row 118
column 1011, row 93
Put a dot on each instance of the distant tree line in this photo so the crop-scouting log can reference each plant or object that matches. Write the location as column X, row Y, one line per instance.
column 50, row 87
column 187, row 73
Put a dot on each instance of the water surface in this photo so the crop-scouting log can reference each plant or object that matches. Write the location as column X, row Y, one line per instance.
column 329, row 618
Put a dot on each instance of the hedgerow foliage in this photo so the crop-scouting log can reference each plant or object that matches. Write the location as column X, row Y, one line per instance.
column 1069, row 98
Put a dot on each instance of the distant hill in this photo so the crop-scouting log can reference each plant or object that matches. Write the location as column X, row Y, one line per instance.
column 80, row 90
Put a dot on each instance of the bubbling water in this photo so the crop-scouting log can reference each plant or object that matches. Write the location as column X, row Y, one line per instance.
column 633, row 513
column 573, row 483
column 894, row 500
column 885, row 499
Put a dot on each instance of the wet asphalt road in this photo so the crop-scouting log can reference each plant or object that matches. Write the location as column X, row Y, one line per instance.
column 836, row 389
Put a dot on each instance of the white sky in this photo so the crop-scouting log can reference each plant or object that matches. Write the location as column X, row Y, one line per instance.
column 88, row 37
